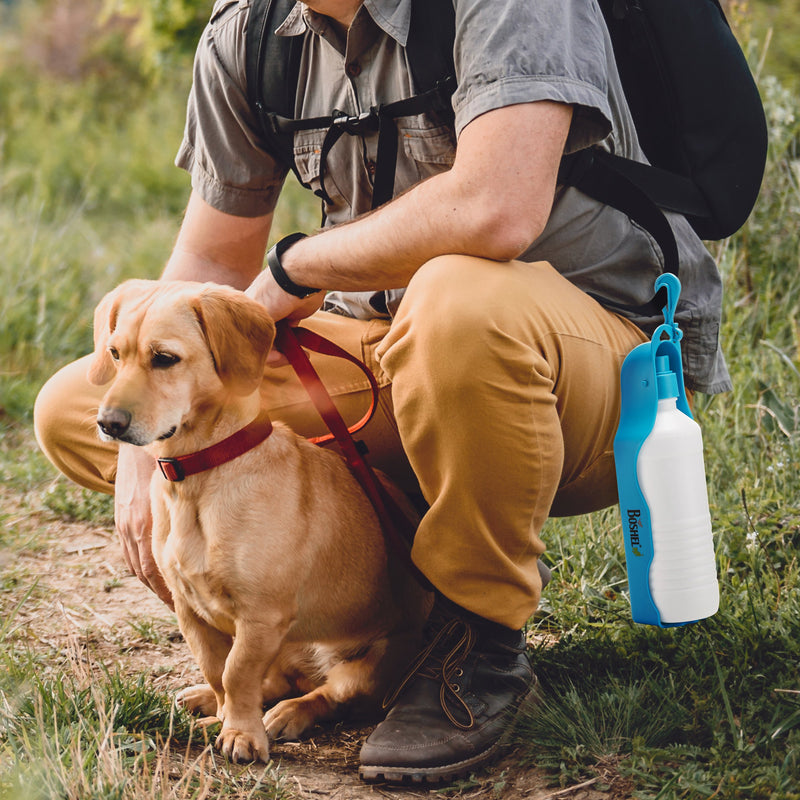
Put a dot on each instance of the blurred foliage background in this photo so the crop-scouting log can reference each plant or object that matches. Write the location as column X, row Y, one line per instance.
column 92, row 103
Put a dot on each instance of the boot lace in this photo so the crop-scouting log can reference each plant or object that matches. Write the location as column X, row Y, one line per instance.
column 441, row 661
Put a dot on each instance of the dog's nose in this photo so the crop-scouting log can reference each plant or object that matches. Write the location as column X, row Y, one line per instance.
column 113, row 421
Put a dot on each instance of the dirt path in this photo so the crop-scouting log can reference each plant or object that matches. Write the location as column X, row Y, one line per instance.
column 84, row 595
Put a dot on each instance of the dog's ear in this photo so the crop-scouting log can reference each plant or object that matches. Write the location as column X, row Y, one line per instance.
column 239, row 333
column 101, row 368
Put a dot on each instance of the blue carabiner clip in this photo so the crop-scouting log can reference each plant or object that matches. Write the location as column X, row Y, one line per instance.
column 673, row 286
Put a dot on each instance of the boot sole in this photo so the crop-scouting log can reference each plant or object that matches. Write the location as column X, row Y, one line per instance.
column 429, row 775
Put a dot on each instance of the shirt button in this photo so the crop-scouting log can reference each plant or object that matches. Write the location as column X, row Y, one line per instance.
column 353, row 69
column 371, row 167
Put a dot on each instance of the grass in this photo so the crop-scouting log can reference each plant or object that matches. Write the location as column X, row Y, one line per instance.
column 709, row 710
column 83, row 735
column 72, row 728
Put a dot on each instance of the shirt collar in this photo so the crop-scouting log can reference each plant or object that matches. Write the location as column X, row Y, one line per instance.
column 391, row 16
column 294, row 24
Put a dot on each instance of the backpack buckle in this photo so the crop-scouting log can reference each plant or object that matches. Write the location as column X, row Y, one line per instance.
column 366, row 122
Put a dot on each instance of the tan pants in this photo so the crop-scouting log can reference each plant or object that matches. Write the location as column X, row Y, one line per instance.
column 499, row 393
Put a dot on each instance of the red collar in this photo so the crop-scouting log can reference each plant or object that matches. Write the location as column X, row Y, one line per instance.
column 176, row 469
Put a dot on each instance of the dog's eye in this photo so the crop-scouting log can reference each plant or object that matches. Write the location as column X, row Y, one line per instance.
column 163, row 360
column 114, row 353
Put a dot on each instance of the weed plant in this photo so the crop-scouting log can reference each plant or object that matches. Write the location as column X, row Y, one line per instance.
column 89, row 197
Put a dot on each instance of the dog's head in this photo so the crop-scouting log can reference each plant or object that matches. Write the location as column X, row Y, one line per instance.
column 172, row 350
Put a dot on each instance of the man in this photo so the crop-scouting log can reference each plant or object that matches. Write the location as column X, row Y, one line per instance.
column 468, row 294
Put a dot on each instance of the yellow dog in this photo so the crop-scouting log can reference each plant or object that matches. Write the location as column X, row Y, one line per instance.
column 275, row 559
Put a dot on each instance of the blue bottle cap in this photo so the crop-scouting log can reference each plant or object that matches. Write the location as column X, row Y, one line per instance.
column 666, row 381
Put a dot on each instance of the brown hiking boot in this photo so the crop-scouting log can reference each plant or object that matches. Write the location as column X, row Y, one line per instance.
column 455, row 704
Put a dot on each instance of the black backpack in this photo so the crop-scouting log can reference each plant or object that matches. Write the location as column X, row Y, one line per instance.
column 695, row 105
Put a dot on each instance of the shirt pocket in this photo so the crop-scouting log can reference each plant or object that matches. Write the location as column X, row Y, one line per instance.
column 436, row 146
column 307, row 151
column 424, row 151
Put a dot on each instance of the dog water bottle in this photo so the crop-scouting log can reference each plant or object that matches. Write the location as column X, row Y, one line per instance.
column 671, row 474
column 658, row 450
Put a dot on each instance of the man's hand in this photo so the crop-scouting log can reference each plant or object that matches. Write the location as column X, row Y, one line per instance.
column 282, row 305
column 134, row 519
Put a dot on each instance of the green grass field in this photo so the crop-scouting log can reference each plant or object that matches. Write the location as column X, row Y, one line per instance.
column 89, row 196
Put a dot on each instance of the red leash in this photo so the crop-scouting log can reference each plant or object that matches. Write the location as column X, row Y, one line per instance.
column 291, row 341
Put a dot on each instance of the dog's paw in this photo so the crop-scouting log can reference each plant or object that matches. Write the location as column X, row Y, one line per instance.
column 198, row 699
column 243, row 746
column 291, row 718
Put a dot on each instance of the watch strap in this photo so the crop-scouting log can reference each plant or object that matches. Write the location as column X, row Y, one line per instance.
column 279, row 273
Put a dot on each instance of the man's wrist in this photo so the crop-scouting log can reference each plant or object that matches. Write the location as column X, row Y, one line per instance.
column 279, row 273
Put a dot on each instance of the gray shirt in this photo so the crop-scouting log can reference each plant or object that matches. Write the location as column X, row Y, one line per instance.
column 506, row 52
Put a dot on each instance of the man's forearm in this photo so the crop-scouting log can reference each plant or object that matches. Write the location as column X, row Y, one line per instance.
column 383, row 249
column 493, row 203
column 445, row 214
column 187, row 266
column 219, row 247
column 380, row 250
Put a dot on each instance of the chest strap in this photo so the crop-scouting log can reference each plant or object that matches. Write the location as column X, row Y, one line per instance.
column 380, row 119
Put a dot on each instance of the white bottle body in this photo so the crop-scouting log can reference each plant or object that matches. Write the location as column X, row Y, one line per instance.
column 671, row 474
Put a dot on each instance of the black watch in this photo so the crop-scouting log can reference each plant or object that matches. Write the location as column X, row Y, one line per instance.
column 279, row 273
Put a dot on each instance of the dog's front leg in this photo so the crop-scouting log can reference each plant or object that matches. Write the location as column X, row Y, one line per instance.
column 255, row 647
column 209, row 645
column 210, row 648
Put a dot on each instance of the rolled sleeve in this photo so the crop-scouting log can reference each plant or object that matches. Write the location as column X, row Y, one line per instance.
column 222, row 149
column 522, row 52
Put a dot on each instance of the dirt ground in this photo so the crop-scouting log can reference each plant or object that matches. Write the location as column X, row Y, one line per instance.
column 85, row 595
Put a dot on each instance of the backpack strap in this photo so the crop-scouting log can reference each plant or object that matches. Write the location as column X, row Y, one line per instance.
column 430, row 45
column 272, row 64
column 596, row 173
column 668, row 190
column 380, row 119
